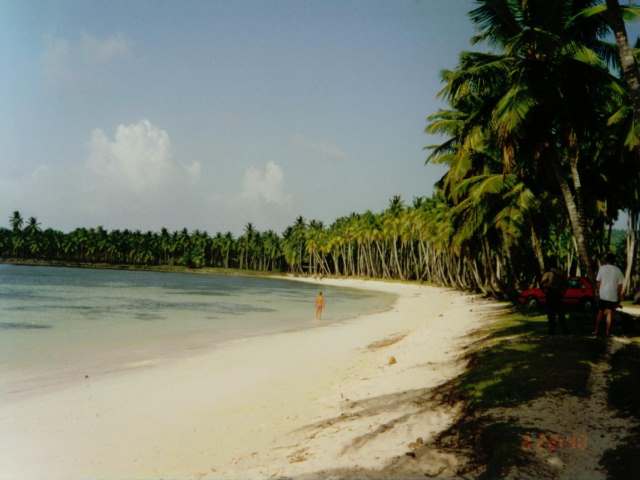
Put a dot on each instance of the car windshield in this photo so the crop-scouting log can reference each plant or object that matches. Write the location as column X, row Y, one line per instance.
column 574, row 283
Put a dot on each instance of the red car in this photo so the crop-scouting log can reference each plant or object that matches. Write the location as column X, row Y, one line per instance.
column 580, row 293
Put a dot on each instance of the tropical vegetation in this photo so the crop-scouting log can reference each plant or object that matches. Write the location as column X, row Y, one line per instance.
column 541, row 139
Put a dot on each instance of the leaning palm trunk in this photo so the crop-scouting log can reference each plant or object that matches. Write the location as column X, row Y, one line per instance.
column 494, row 284
column 537, row 249
column 374, row 271
column 336, row 262
column 414, row 262
column 476, row 275
column 325, row 265
column 628, row 62
column 385, row 270
column 576, row 217
column 395, row 256
column 632, row 248
column 426, row 253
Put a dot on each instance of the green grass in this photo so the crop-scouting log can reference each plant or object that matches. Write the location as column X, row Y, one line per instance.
column 629, row 304
column 521, row 362
column 515, row 361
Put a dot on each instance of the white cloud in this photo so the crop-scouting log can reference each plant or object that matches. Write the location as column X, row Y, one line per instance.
column 133, row 175
column 325, row 149
column 138, row 158
column 131, row 178
column 265, row 184
column 64, row 59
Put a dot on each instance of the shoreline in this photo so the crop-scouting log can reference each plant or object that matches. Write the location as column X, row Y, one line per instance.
column 258, row 395
column 140, row 268
column 187, row 346
column 282, row 275
column 68, row 380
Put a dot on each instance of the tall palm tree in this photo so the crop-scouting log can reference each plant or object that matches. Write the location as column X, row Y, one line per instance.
column 545, row 110
column 615, row 14
column 16, row 221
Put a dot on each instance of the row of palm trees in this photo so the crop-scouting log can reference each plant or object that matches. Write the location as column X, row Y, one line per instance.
column 253, row 250
column 543, row 133
column 415, row 242
column 541, row 139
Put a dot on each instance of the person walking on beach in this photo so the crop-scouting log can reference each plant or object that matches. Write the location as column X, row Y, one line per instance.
column 320, row 303
column 609, row 286
column 554, row 284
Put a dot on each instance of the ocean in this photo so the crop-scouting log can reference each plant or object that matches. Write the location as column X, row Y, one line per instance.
column 61, row 325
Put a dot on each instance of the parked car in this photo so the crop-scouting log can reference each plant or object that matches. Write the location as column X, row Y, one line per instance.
column 580, row 294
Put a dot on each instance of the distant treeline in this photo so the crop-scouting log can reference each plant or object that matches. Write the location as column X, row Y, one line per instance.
column 541, row 140
column 403, row 242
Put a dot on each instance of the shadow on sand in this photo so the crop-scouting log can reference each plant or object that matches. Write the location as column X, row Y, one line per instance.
column 510, row 363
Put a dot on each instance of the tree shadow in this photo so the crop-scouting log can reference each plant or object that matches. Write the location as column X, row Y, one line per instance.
column 623, row 461
column 516, row 362
column 509, row 363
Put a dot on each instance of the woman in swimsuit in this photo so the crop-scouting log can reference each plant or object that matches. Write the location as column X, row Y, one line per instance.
column 319, row 306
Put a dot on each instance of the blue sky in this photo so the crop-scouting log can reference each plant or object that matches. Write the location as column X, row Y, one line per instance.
column 210, row 114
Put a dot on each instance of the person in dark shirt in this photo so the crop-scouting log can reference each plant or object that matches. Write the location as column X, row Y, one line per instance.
column 554, row 285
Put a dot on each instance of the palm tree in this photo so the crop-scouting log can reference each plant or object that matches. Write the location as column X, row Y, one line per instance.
column 16, row 221
column 247, row 245
column 227, row 245
column 32, row 231
column 538, row 128
column 615, row 14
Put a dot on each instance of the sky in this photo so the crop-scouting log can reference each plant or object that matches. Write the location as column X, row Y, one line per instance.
column 212, row 114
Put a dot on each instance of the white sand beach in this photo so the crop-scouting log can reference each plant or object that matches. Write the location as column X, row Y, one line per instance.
column 295, row 404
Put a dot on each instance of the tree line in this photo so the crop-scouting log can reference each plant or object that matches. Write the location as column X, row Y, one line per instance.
column 541, row 140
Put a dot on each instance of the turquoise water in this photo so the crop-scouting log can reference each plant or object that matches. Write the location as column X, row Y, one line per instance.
column 59, row 324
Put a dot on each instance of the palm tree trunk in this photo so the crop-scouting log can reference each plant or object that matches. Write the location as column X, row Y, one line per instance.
column 476, row 274
column 428, row 273
column 628, row 63
column 632, row 248
column 576, row 218
column 385, row 270
column 395, row 256
column 414, row 261
column 494, row 284
column 374, row 272
column 351, row 260
column 537, row 249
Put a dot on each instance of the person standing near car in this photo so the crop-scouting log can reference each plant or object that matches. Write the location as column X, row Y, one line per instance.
column 609, row 286
column 554, row 285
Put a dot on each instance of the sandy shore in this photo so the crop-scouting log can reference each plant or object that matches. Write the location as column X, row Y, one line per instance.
column 295, row 404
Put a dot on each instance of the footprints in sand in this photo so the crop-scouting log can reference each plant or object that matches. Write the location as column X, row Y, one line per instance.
column 385, row 342
column 299, row 455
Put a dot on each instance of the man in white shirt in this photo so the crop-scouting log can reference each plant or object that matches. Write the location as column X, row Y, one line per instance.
column 609, row 286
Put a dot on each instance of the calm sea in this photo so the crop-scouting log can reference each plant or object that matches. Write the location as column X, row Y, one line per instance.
column 59, row 324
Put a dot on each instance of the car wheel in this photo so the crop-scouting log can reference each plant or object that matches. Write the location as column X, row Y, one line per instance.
column 532, row 304
column 588, row 305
